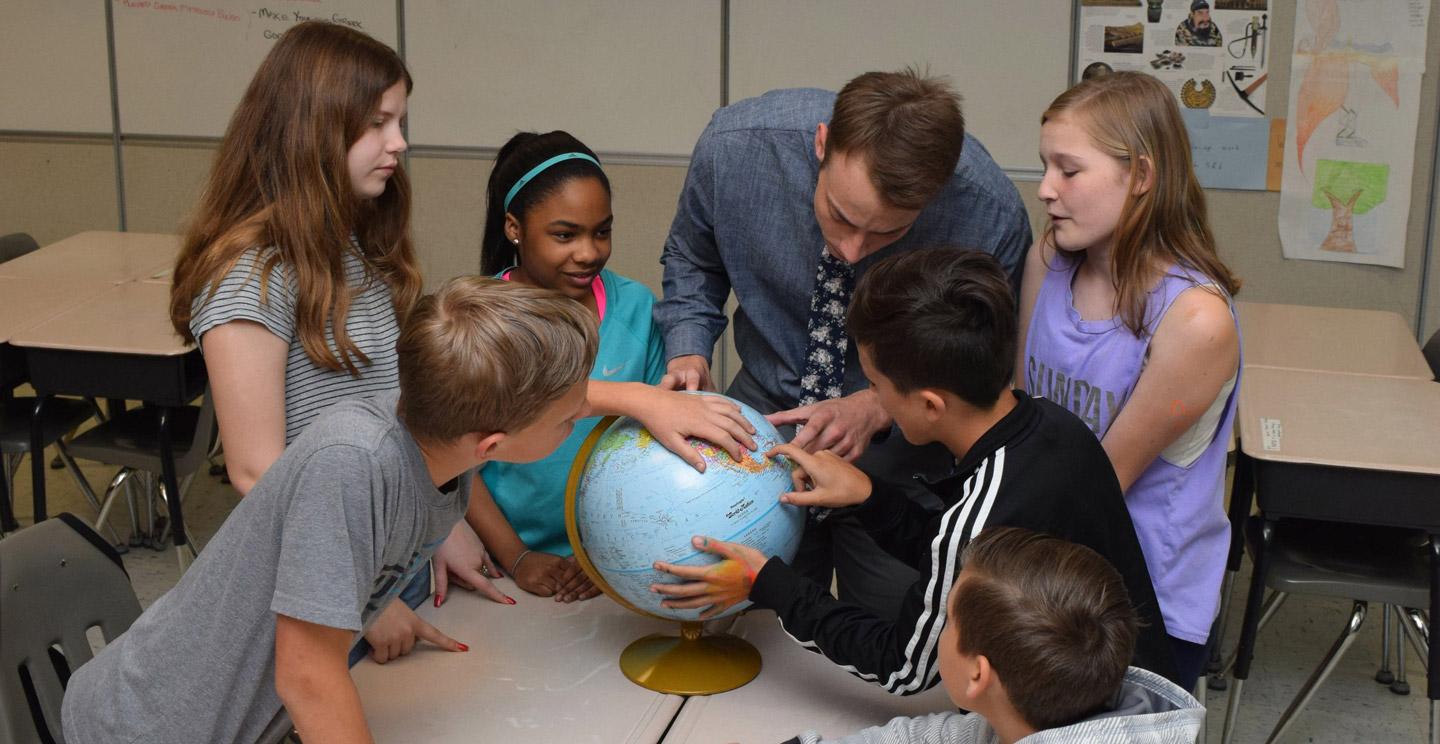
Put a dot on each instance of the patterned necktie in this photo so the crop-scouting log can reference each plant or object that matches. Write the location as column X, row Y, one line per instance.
column 827, row 342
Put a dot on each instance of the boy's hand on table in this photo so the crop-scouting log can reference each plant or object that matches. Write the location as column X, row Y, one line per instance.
column 395, row 632
column 575, row 584
column 822, row 479
column 718, row 586
column 462, row 558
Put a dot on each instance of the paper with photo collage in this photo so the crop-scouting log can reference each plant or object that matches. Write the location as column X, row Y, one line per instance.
column 1218, row 72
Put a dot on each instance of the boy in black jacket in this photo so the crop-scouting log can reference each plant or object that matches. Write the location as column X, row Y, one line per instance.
column 936, row 332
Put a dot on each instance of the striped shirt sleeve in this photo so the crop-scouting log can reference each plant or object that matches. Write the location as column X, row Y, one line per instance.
column 239, row 297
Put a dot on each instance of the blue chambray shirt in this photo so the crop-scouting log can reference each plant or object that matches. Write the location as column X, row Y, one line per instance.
column 746, row 223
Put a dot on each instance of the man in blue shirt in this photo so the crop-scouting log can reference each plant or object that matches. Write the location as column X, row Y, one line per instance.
column 790, row 196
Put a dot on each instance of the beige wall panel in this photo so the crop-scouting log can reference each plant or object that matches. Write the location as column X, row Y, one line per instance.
column 57, row 74
column 447, row 215
column 163, row 184
column 1008, row 59
column 56, row 188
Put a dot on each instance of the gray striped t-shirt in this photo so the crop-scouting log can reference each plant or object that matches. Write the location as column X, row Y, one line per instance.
column 309, row 389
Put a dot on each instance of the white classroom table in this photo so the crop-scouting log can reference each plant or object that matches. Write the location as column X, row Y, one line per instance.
column 796, row 690
column 539, row 671
column 1329, row 339
column 99, row 255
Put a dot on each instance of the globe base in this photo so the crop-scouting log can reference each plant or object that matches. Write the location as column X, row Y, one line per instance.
column 690, row 663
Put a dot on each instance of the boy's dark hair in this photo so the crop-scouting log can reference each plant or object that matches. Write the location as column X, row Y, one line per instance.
column 940, row 318
column 907, row 126
column 1052, row 617
column 516, row 157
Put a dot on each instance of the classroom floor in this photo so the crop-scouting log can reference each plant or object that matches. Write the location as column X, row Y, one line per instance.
column 1350, row 706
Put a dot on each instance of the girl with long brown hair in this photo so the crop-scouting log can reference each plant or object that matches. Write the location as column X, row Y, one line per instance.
column 1127, row 321
column 297, row 269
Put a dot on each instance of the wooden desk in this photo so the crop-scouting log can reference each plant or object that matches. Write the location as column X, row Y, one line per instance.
column 116, row 344
column 537, row 671
column 114, row 257
column 1327, row 339
column 26, row 303
column 796, row 690
column 1343, row 448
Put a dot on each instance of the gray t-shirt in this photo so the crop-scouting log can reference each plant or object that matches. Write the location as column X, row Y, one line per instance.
column 330, row 534
column 309, row 389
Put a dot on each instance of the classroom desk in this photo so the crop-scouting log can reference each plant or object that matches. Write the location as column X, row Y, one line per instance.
column 28, row 302
column 116, row 344
column 99, row 255
column 1328, row 339
column 796, row 690
column 537, row 671
column 1344, row 448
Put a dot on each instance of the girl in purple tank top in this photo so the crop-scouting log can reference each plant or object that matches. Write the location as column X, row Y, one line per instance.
column 1127, row 322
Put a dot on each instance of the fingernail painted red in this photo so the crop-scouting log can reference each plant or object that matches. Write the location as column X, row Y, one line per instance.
column 461, row 646
column 437, row 600
column 509, row 600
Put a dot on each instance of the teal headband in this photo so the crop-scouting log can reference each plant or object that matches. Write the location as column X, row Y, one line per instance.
column 537, row 170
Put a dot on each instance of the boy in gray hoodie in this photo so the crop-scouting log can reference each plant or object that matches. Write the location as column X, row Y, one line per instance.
column 1037, row 646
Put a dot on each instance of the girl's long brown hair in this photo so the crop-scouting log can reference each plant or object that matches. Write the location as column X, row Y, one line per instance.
column 280, row 179
column 1133, row 116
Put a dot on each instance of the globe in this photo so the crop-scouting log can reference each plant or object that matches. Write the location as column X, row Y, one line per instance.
column 633, row 502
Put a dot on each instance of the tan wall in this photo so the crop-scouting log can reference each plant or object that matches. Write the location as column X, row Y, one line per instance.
column 54, row 188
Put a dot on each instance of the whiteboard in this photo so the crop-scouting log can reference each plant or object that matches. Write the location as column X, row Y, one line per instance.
column 181, row 69
column 1008, row 59
column 56, row 67
column 641, row 76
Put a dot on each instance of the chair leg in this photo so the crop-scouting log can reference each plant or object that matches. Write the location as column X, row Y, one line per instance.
column 1347, row 637
column 121, row 478
column 1417, row 627
column 1249, row 628
column 1383, row 675
column 1401, row 685
column 7, row 513
column 1267, row 611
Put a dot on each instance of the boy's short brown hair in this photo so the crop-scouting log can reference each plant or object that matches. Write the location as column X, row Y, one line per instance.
column 484, row 355
column 1052, row 617
column 907, row 126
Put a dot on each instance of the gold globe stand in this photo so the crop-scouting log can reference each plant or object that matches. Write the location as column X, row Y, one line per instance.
column 691, row 663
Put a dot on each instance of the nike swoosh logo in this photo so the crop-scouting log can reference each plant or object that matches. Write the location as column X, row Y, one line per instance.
column 610, row 371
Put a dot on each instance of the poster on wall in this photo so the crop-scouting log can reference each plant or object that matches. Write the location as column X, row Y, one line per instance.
column 1212, row 54
column 1350, row 136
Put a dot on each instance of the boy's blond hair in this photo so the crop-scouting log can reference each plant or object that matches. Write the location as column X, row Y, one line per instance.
column 1053, row 618
column 483, row 355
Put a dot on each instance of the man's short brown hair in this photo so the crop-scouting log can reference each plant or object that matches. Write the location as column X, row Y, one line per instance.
column 1052, row 617
column 907, row 126
column 484, row 355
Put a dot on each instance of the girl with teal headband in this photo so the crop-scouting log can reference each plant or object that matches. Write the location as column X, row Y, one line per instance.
column 548, row 224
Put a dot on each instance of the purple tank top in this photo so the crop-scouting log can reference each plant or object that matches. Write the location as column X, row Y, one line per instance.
column 1090, row 367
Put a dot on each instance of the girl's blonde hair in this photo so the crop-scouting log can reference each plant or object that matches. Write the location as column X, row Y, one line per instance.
column 1133, row 117
column 281, row 179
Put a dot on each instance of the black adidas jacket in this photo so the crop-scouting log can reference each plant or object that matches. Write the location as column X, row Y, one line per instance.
column 1039, row 468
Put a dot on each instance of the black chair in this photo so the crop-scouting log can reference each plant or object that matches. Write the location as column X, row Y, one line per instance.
column 1385, row 565
column 59, row 580
column 61, row 417
column 16, row 245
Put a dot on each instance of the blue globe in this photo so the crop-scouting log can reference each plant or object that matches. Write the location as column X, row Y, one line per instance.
column 632, row 502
